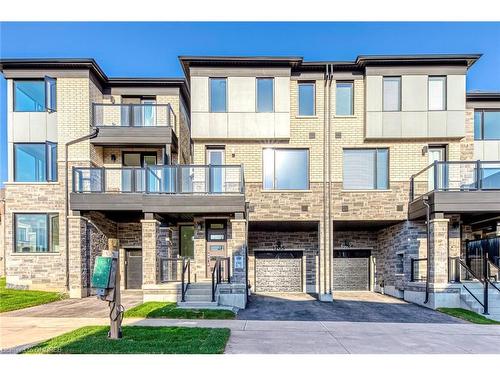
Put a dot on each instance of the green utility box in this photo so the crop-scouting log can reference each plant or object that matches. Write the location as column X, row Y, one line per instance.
column 102, row 272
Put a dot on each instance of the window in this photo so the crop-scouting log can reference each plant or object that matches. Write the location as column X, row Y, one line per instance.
column 344, row 99
column 35, row 95
column 487, row 125
column 392, row 93
column 286, row 169
column 366, row 169
column 36, row 233
column 35, row 162
column 218, row 95
column 307, row 93
column 400, row 259
column 216, row 230
column 437, row 93
column 265, row 95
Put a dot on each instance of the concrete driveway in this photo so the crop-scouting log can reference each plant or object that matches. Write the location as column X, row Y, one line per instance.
column 347, row 307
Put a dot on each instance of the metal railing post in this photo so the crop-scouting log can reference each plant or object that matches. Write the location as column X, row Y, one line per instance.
column 103, row 180
column 182, row 281
column 229, row 270
column 478, row 175
column 435, row 174
column 485, row 276
column 412, row 188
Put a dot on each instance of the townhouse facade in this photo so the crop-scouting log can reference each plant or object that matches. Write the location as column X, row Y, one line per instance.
column 254, row 174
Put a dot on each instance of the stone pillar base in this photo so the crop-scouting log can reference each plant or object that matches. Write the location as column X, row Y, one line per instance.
column 326, row 297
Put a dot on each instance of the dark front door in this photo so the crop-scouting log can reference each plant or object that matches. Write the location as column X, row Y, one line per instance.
column 133, row 269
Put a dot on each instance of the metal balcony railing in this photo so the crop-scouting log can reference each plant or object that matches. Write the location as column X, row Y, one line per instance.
column 456, row 176
column 136, row 115
column 161, row 179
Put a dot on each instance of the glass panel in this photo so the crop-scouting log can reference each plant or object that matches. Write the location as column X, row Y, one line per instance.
column 149, row 160
column 216, row 157
column 478, row 131
column 52, row 162
column 30, row 162
column 29, row 96
column 127, row 175
column 265, row 95
column 218, row 95
column 392, row 87
column 50, row 91
column 148, row 113
column 437, row 93
column 31, row 233
column 382, row 169
column 291, row 169
column 344, row 99
column 132, row 160
column 491, row 124
column 490, row 178
column 435, row 154
column 306, row 99
column 268, row 165
column 54, row 232
column 359, row 169
column 187, row 241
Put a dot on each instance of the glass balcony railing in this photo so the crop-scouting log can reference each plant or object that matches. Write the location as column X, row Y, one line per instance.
column 456, row 176
column 161, row 179
column 136, row 115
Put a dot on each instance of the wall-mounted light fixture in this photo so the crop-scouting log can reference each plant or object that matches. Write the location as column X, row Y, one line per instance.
column 113, row 158
column 425, row 149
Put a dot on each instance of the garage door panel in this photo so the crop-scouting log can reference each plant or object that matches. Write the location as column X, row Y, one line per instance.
column 278, row 275
column 351, row 274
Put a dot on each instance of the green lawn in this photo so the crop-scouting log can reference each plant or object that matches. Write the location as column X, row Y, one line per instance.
column 470, row 316
column 170, row 310
column 13, row 299
column 137, row 340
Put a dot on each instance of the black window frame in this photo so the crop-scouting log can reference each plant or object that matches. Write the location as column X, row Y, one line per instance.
column 209, row 231
column 48, row 216
column 375, row 149
column 48, row 157
column 482, row 111
column 305, row 83
column 308, row 151
column 46, row 85
column 351, row 82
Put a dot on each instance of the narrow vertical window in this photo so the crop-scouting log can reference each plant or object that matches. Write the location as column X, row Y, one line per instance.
column 307, row 99
column 392, row 93
column 437, row 93
column 265, row 95
column 50, row 94
column 344, row 99
column 218, row 95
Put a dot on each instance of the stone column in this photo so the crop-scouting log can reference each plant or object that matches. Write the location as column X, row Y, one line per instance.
column 150, row 240
column 237, row 247
column 438, row 251
column 77, row 277
column 325, row 281
column 200, row 249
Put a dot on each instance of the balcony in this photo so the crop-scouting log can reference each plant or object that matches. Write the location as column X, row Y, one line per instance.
column 160, row 189
column 120, row 124
column 456, row 187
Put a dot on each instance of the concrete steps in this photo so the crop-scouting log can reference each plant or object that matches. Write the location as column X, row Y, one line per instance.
column 199, row 296
column 469, row 303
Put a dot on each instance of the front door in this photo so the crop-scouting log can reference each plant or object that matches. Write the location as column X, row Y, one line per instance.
column 133, row 269
column 215, row 158
column 437, row 153
column 214, row 250
column 216, row 235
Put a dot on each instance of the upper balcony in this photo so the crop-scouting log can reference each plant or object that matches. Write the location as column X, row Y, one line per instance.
column 456, row 187
column 160, row 189
column 126, row 124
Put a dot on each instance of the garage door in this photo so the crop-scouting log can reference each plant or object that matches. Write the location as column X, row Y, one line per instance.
column 351, row 274
column 278, row 272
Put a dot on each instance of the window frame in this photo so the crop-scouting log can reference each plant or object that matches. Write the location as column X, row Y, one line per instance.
column 48, row 234
column 48, row 95
column 257, row 94
column 210, row 95
column 444, row 93
column 274, row 168
column 482, row 111
column 180, row 238
column 375, row 165
column 48, row 173
column 400, row 93
column 305, row 83
column 352, row 97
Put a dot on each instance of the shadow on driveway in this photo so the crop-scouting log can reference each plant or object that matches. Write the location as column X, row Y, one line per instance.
column 346, row 307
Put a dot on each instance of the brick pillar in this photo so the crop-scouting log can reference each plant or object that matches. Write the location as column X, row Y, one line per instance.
column 455, row 241
column 236, row 250
column 200, row 249
column 150, row 242
column 438, row 254
column 77, row 278
column 324, row 279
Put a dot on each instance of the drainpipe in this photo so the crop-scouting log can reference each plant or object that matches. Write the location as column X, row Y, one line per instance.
column 324, row 181
column 330, row 224
column 92, row 135
column 425, row 200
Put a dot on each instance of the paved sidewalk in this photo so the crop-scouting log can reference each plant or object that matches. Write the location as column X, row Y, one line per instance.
column 275, row 337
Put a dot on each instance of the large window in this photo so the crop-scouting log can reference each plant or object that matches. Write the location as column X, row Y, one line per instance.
column 392, row 93
column 35, row 162
column 265, row 95
column 218, row 95
column 366, row 169
column 487, row 124
column 286, row 169
column 344, row 99
column 35, row 95
column 307, row 99
column 437, row 93
column 36, row 233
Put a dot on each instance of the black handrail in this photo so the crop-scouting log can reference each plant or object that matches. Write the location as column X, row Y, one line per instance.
column 484, row 281
column 186, row 266
column 217, row 277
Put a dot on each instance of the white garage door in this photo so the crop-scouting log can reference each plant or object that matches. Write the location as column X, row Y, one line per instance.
column 278, row 272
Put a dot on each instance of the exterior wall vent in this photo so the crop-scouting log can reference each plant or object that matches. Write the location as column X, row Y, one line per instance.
column 338, row 135
column 305, row 208
column 399, row 207
column 345, row 208
column 312, row 135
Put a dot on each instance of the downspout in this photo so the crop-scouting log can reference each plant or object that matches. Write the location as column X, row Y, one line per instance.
column 330, row 224
column 428, row 216
column 324, row 180
column 325, row 174
column 66, row 146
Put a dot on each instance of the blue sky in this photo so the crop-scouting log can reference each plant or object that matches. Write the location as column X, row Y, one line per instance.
column 151, row 49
